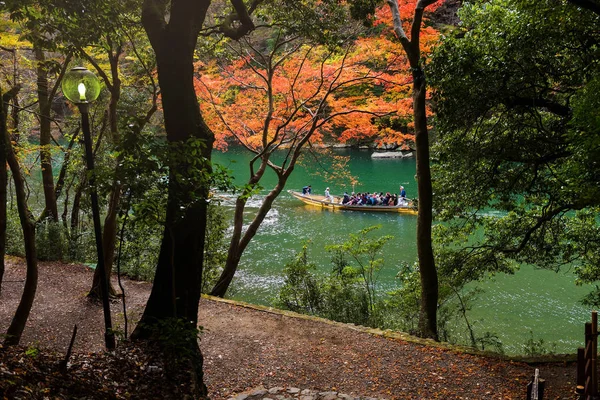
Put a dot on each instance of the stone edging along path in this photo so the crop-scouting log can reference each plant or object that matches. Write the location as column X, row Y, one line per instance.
column 292, row 393
column 399, row 335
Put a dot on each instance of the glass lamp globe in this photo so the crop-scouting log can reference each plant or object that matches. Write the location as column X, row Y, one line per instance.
column 80, row 85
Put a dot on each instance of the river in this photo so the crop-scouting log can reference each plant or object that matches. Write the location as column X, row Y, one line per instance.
column 537, row 304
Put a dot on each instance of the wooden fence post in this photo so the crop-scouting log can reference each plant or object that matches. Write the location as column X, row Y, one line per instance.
column 535, row 388
column 587, row 362
column 594, row 354
column 580, row 388
column 588, row 359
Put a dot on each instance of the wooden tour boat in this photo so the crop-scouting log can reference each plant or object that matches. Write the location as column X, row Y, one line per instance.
column 319, row 201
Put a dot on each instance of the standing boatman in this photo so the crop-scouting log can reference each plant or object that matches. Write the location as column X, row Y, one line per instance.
column 328, row 195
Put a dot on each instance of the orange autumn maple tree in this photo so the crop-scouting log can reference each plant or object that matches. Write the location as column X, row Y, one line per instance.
column 235, row 102
column 257, row 98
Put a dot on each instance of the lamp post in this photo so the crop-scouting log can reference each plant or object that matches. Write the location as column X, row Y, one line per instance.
column 82, row 87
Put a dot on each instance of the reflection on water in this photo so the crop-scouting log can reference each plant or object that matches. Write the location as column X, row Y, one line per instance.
column 541, row 302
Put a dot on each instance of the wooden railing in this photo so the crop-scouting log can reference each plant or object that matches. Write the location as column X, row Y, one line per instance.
column 587, row 362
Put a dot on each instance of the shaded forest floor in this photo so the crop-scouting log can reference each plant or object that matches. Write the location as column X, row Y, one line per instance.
column 244, row 347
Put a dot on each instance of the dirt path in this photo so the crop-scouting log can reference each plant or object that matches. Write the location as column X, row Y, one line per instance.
column 246, row 347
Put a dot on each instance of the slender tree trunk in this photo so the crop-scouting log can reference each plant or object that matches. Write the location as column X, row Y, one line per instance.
column 109, row 232
column 235, row 252
column 65, row 212
column 76, row 207
column 3, row 188
column 51, row 209
column 15, row 330
column 15, row 116
column 4, row 181
column 428, row 272
column 239, row 242
column 60, row 182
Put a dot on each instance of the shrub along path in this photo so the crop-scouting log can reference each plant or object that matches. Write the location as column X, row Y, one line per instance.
column 246, row 347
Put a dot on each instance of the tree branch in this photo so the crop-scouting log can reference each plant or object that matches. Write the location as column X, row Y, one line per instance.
column 397, row 22
column 553, row 107
column 99, row 69
column 242, row 15
column 7, row 96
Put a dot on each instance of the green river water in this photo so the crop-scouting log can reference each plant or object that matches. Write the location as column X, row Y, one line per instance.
column 538, row 301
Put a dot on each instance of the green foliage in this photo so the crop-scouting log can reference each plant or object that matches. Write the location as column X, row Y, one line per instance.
column 403, row 305
column 349, row 293
column 533, row 347
column 72, row 22
column 51, row 240
column 363, row 10
column 517, row 176
column 141, row 246
column 82, row 246
column 359, row 260
column 323, row 21
column 345, row 300
column 32, row 351
column 144, row 161
column 14, row 234
column 301, row 290
column 139, row 254
column 193, row 173
column 490, row 340
column 215, row 246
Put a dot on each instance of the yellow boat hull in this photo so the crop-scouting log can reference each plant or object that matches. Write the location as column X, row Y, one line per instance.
column 319, row 201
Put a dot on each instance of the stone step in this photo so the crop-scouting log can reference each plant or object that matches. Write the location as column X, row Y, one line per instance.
column 293, row 393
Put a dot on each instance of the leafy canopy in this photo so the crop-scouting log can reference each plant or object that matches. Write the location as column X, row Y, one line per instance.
column 517, row 171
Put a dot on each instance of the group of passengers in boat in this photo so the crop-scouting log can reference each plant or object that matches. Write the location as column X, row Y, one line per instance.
column 374, row 199
column 369, row 199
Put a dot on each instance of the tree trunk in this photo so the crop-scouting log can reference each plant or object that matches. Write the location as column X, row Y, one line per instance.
column 15, row 330
column 178, row 280
column 76, row 207
column 109, row 235
column 238, row 242
column 234, row 254
column 428, row 273
column 51, row 209
column 60, row 182
column 16, row 121
column 177, row 283
column 3, row 189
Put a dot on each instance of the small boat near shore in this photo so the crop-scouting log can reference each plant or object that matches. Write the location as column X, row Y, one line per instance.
column 319, row 201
